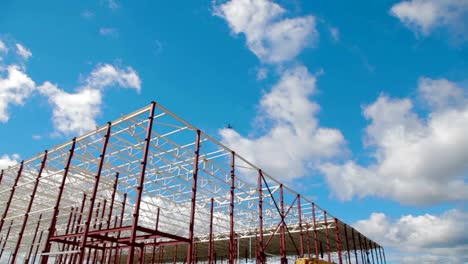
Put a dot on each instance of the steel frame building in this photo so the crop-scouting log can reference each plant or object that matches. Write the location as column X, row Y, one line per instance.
column 151, row 188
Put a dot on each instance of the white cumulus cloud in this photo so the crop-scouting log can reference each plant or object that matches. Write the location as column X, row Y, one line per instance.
column 421, row 239
column 416, row 159
column 294, row 139
column 423, row 16
column 24, row 52
column 76, row 113
column 8, row 160
column 269, row 35
column 15, row 87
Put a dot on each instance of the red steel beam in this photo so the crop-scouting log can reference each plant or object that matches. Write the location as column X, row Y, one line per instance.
column 308, row 240
column 261, row 253
column 12, row 193
column 28, row 210
column 55, row 213
column 360, row 249
column 34, row 239
column 315, row 232
column 194, row 198
column 66, row 232
column 354, row 245
column 348, row 257
column 37, row 247
column 77, row 227
column 6, row 239
column 301, row 234
column 82, row 253
column 327, row 237
column 282, row 229
column 338, row 241
column 141, row 181
column 93, row 196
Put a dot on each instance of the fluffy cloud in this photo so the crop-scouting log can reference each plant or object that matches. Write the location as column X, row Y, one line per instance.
column 269, row 36
column 107, row 75
column 15, row 87
column 23, row 51
column 7, row 161
column 73, row 112
column 421, row 239
column 294, row 139
column 77, row 112
column 423, row 16
column 416, row 159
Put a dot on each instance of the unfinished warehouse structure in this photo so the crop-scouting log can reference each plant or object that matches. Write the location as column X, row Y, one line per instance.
column 151, row 188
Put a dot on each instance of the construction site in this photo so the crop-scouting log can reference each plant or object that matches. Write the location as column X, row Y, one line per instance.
column 151, row 188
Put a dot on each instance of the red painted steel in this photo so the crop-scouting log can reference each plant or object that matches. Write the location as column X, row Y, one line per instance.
column 33, row 240
column 326, row 235
column 141, row 180
column 282, row 229
column 12, row 193
column 338, row 241
column 53, row 222
column 315, row 232
column 348, row 257
column 6, row 239
column 261, row 252
column 194, row 198
column 354, row 245
column 28, row 210
column 97, row 178
column 308, row 239
column 301, row 234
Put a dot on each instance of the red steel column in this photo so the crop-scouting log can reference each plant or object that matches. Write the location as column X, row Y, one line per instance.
column 6, row 239
column 26, row 216
column 77, row 227
column 338, row 241
column 141, row 181
column 315, row 232
column 261, row 253
column 326, row 234
column 194, row 198
column 12, row 193
column 348, row 257
column 210, row 242
column 354, row 245
column 53, row 222
column 37, row 247
column 66, row 232
column 360, row 249
column 93, row 196
column 300, row 226
column 232, row 249
column 122, row 214
column 282, row 231
column 34, row 240
column 1, row 176
column 308, row 240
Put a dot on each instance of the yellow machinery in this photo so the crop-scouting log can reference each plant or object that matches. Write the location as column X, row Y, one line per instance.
column 311, row 261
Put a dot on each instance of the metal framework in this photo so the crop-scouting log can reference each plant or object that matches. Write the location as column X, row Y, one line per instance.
column 151, row 188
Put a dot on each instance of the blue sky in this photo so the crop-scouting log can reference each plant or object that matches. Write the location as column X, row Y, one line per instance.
column 361, row 105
